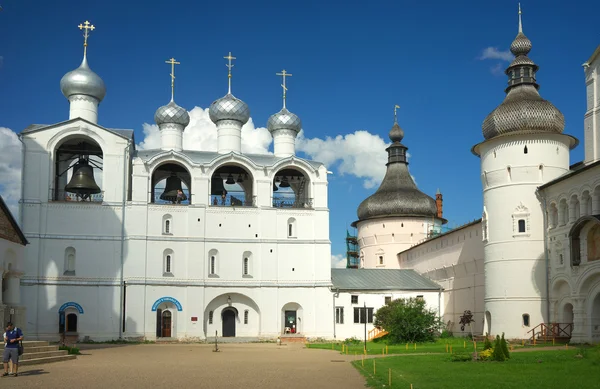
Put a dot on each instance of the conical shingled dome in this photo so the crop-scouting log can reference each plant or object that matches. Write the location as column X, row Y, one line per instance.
column 398, row 194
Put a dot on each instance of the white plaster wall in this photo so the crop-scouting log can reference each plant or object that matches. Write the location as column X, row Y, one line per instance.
column 515, row 275
column 388, row 237
column 455, row 261
column 284, row 143
column 375, row 300
column 229, row 136
column 592, row 115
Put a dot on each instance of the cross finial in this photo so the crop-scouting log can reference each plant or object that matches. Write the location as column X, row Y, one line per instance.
column 520, row 24
column 173, row 63
column 396, row 107
column 86, row 27
column 229, row 66
column 284, row 74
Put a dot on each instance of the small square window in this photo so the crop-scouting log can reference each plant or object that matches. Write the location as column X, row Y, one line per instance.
column 246, row 316
column 521, row 225
column 354, row 299
column 381, row 259
column 388, row 300
column 420, row 297
column 210, row 317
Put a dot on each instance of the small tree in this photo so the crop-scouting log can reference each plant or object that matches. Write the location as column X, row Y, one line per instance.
column 487, row 344
column 408, row 320
column 498, row 354
column 504, row 347
column 465, row 320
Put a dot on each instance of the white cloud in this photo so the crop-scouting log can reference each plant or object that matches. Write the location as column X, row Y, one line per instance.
column 10, row 169
column 201, row 134
column 494, row 53
column 497, row 70
column 361, row 154
column 338, row 261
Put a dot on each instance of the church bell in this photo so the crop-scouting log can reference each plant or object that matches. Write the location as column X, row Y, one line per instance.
column 82, row 182
column 216, row 185
column 171, row 189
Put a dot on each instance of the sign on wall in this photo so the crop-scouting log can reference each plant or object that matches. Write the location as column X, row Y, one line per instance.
column 70, row 304
column 166, row 299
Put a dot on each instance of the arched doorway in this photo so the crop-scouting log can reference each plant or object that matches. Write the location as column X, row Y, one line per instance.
column 292, row 318
column 166, row 322
column 595, row 319
column 72, row 322
column 488, row 323
column 567, row 315
column 228, row 318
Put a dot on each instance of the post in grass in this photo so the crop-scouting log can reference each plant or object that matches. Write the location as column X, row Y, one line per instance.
column 553, row 341
column 474, row 345
column 342, row 348
column 390, row 377
column 374, row 372
column 387, row 350
column 450, row 349
column 464, row 344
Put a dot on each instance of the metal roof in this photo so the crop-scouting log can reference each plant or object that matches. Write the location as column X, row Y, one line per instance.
column 380, row 279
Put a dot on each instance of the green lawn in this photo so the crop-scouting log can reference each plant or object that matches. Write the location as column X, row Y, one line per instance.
column 374, row 348
column 531, row 370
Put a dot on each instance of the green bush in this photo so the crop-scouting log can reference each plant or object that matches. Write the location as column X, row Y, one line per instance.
column 70, row 350
column 446, row 334
column 498, row 354
column 504, row 347
column 461, row 357
column 408, row 320
column 352, row 340
column 486, row 343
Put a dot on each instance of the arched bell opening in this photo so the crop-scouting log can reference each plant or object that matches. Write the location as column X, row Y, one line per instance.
column 171, row 184
column 231, row 185
column 291, row 189
column 78, row 164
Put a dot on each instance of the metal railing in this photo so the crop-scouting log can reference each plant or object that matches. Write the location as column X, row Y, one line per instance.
column 291, row 202
column 157, row 200
column 231, row 199
column 64, row 196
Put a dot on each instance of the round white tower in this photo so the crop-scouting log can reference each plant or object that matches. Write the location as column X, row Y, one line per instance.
column 397, row 215
column 82, row 87
column 284, row 126
column 524, row 148
column 171, row 119
column 229, row 114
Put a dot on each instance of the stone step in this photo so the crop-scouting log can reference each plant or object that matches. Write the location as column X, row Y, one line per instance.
column 35, row 343
column 27, row 356
column 37, row 361
column 42, row 349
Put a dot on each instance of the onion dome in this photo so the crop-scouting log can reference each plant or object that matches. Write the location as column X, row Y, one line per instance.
column 229, row 107
column 172, row 114
column 398, row 194
column 523, row 110
column 83, row 81
column 284, row 120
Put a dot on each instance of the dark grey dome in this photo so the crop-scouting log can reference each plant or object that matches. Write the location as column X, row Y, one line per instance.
column 284, row 120
column 398, row 194
column 172, row 113
column 83, row 81
column 523, row 110
column 229, row 107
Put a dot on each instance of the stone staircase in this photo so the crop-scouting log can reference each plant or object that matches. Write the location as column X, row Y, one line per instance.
column 38, row 352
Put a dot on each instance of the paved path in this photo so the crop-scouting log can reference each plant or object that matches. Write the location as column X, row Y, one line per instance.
column 182, row 366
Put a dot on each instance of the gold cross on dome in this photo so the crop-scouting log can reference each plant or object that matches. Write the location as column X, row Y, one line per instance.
column 284, row 74
column 229, row 66
column 86, row 27
column 173, row 62
column 396, row 107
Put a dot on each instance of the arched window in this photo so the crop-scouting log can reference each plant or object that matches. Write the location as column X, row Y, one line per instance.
column 167, row 225
column 247, row 264
column 213, row 263
column 70, row 255
column 380, row 258
column 210, row 317
column 168, row 262
column 525, row 150
column 246, row 316
column 525, row 320
column 291, row 228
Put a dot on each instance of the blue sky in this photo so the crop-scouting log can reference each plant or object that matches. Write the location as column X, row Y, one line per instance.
column 351, row 63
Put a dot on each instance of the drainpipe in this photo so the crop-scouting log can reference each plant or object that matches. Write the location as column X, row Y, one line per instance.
column 440, row 303
column 335, row 295
column 122, row 281
column 545, row 214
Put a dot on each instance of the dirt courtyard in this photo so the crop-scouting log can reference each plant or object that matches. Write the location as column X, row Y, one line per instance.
column 259, row 365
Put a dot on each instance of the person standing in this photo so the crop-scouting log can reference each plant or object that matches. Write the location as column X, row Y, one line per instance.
column 12, row 337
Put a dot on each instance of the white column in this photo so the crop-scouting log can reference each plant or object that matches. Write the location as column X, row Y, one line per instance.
column 578, row 335
column 284, row 143
column 229, row 136
column 85, row 107
column 13, row 291
column 171, row 136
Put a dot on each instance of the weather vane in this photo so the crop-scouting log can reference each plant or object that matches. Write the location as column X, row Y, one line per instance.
column 86, row 27
column 229, row 66
column 396, row 107
column 284, row 74
column 173, row 63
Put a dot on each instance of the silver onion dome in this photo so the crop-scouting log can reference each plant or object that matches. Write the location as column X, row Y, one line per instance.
column 83, row 81
column 523, row 110
column 229, row 107
column 284, row 120
column 172, row 113
column 398, row 194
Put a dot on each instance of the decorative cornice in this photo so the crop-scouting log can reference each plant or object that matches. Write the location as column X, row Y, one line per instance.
column 83, row 98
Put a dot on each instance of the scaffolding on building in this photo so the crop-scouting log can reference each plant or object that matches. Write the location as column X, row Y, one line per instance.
column 352, row 255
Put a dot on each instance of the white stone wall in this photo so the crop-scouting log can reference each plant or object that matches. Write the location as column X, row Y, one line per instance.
column 455, row 261
column 515, row 269
column 282, row 270
column 389, row 236
column 375, row 300
column 592, row 114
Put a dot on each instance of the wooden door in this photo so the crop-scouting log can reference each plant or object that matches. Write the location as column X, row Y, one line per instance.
column 228, row 323
column 166, row 324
